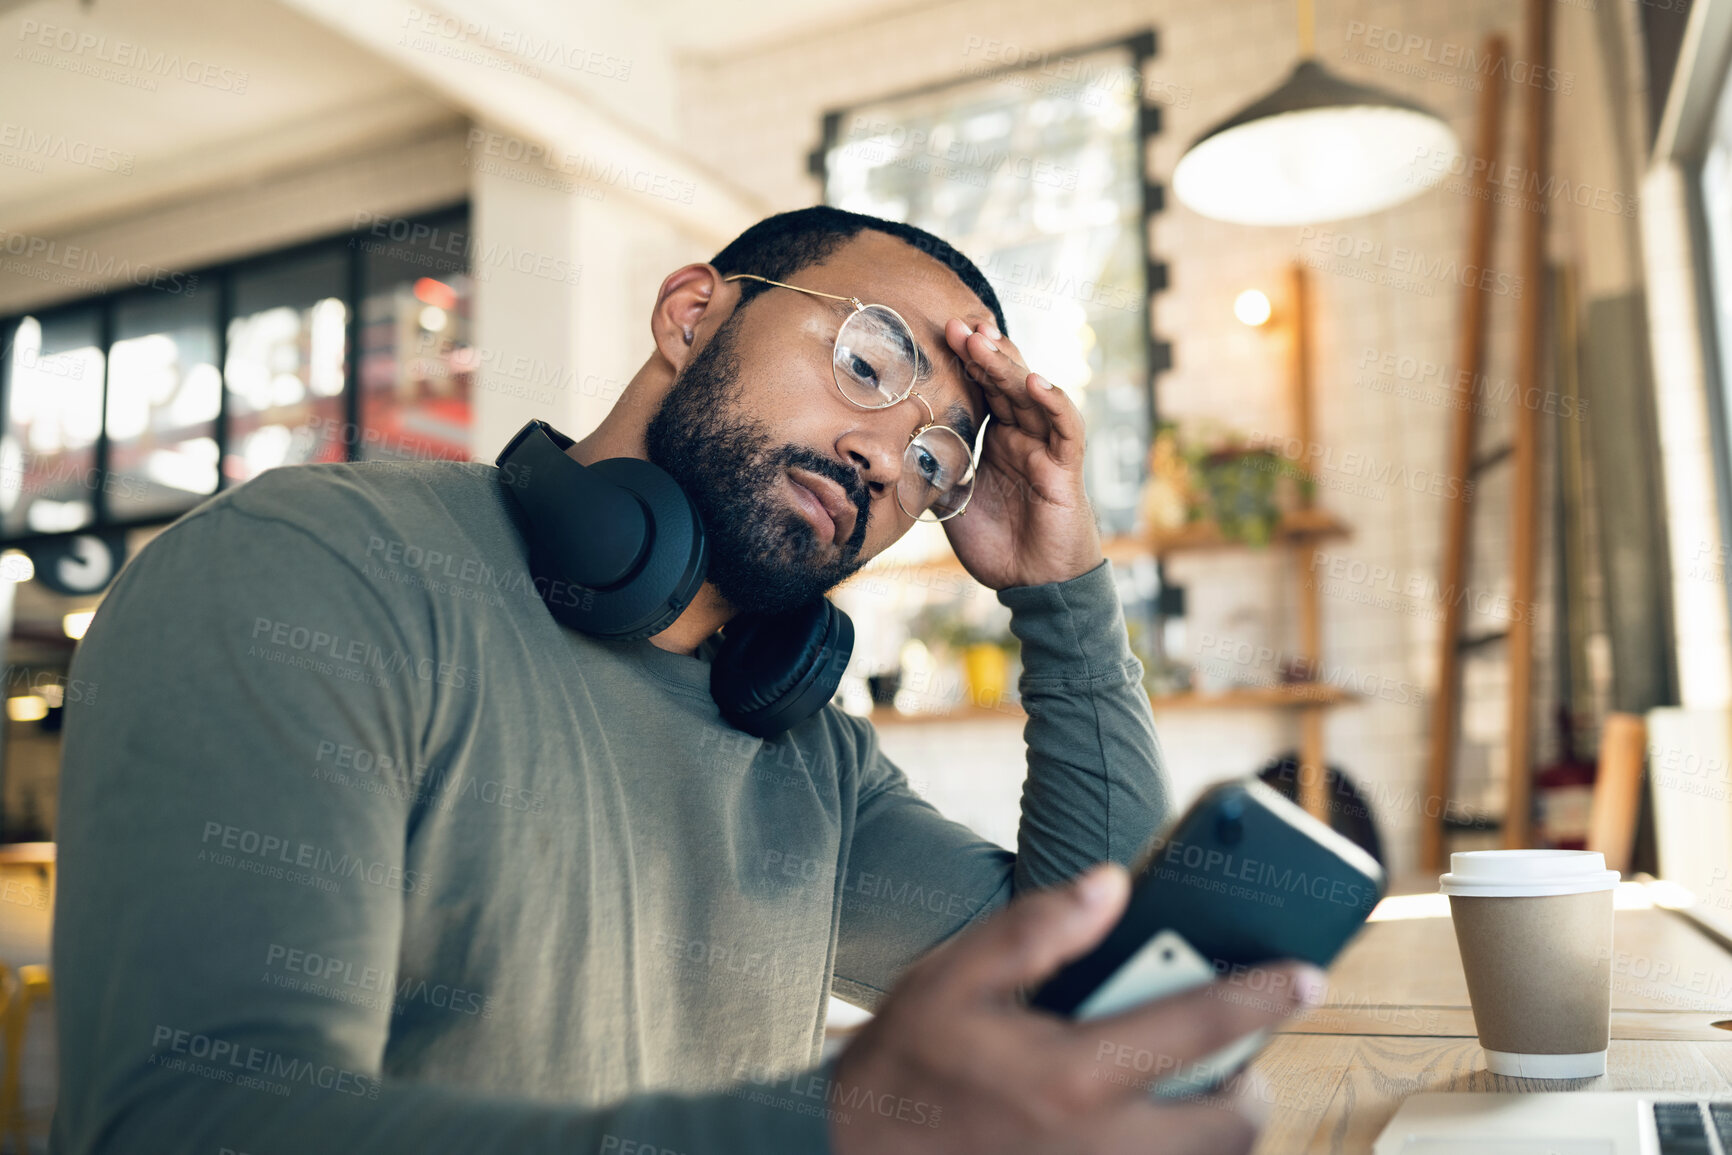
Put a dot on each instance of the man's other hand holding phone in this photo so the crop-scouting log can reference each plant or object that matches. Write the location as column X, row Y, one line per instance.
column 982, row 1072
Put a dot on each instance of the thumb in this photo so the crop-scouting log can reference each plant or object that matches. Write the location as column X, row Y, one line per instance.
column 1035, row 935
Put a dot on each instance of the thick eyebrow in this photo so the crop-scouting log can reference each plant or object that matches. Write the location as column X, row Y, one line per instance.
column 962, row 421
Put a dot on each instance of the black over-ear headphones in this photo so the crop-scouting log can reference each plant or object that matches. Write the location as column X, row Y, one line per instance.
column 617, row 550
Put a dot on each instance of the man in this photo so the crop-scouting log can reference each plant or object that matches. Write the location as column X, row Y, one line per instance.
column 361, row 851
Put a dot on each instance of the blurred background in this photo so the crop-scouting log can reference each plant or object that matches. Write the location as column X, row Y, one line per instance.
column 1403, row 331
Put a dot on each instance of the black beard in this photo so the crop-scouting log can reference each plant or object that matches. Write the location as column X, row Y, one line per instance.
column 764, row 557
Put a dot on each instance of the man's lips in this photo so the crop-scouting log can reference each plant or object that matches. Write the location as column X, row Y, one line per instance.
column 826, row 504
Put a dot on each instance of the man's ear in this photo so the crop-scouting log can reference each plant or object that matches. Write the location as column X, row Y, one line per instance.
column 688, row 297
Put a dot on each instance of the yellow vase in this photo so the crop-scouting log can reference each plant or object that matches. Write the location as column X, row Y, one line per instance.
column 987, row 667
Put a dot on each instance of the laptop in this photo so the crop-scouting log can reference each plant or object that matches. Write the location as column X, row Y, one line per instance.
column 1559, row 1123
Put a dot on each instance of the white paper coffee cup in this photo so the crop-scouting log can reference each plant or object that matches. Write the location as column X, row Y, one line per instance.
column 1534, row 928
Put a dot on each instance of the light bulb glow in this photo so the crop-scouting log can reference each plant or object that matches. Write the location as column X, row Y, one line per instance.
column 1252, row 307
column 27, row 708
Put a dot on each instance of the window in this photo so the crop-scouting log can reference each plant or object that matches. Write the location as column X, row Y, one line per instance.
column 53, row 420
column 1037, row 175
column 164, row 397
column 1716, row 198
column 417, row 364
column 130, row 409
column 285, row 364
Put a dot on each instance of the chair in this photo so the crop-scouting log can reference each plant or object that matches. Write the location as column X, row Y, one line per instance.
column 1618, row 789
column 19, row 989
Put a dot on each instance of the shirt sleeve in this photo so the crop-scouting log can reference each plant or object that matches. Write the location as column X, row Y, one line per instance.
column 193, row 842
column 1095, row 791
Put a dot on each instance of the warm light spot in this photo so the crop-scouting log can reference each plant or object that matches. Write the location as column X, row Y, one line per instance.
column 27, row 708
column 1252, row 307
column 76, row 623
column 16, row 566
column 435, row 293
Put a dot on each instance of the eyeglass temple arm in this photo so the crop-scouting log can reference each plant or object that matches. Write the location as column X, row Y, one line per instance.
column 796, row 288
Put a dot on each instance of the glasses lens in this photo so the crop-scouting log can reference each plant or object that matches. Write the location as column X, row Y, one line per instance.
column 874, row 358
column 937, row 475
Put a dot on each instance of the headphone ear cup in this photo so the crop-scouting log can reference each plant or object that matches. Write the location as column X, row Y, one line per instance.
column 774, row 671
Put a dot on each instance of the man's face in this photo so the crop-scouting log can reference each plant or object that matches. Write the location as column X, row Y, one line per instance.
column 795, row 485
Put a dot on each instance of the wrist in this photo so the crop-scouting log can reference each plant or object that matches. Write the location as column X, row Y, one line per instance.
column 1071, row 629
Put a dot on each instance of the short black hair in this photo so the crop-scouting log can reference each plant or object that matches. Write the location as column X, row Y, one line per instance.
column 779, row 247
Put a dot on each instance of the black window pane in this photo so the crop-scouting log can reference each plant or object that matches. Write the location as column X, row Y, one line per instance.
column 285, row 364
column 164, row 390
column 417, row 365
column 53, row 417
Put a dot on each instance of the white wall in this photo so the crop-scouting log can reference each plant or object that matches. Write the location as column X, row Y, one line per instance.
column 563, row 324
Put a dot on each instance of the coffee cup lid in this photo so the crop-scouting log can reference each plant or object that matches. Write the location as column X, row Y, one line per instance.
column 1515, row 873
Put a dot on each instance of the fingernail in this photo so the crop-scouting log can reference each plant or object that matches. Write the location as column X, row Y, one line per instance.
column 987, row 341
column 991, row 331
column 1100, row 885
column 1310, row 985
column 1044, row 383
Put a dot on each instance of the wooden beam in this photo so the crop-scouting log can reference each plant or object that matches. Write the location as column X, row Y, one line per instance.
column 1518, row 793
column 1313, row 787
column 1469, row 360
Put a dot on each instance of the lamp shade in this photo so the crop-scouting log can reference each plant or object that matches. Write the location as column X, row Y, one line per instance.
column 1317, row 148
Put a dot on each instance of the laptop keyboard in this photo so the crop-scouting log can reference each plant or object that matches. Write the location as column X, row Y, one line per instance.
column 1691, row 1127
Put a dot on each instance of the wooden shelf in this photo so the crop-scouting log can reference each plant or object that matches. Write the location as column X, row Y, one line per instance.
column 1120, row 548
column 1007, row 712
column 1298, row 528
column 27, row 854
column 1296, row 695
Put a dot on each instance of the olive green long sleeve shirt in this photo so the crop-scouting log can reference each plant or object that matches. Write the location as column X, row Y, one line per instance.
column 361, row 851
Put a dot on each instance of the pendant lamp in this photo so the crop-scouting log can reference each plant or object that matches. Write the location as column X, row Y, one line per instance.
column 1316, row 148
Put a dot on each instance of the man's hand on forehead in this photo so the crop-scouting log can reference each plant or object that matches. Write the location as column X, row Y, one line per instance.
column 1029, row 522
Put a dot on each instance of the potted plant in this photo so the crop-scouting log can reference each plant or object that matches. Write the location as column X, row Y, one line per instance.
column 984, row 650
column 1208, row 483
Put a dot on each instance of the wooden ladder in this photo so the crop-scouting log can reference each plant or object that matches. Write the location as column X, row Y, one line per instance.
column 1522, row 453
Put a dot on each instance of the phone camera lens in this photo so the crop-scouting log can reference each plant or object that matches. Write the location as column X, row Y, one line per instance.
column 1229, row 823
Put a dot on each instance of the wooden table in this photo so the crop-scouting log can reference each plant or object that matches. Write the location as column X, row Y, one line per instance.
column 1397, row 1022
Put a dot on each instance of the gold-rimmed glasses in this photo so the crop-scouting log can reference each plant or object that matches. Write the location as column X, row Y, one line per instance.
column 875, row 363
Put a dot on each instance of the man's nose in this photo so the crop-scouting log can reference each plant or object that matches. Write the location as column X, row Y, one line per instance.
column 875, row 445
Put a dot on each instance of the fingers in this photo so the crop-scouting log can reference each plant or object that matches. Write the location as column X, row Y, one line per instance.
column 1064, row 420
column 1016, row 397
column 987, row 366
column 1032, row 937
column 1169, row 1034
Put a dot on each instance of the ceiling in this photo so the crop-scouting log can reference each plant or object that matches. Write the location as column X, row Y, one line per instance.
column 68, row 136
column 706, row 28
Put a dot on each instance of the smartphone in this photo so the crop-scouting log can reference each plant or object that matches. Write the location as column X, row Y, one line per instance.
column 1244, row 877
